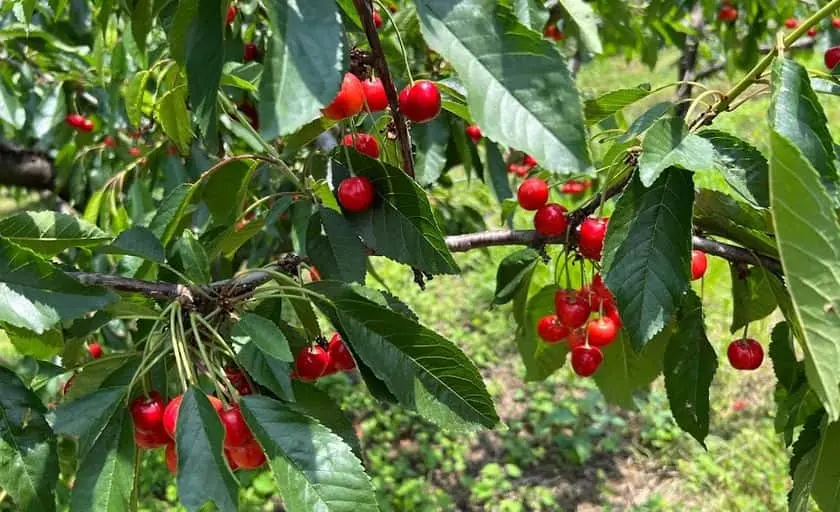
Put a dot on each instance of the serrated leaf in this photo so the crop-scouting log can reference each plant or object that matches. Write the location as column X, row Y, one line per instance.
column 179, row 29
column 224, row 191
column 743, row 166
column 11, row 110
column 818, row 472
column 690, row 365
column 431, row 140
column 540, row 359
column 719, row 214
column 412, row 360
column 87, row 417
column 267, row 371
column 28, row 455
column 531, row 13
column 203, row 474
column 519, row 89
column 194, row 260
column 40, row 346
column 785, row 365
column 514, row 273
column 133, row 95
column 338, row 253
column 303, row 64
column 317, row 404
column 583, row 16
column 171, row 211
column 313, row 467
column 142, row 17
column 495, row 173
column 137, row 241
column 804, row 454
column 642, row 123
column 171, row 112
column 205, row 53
column 752, row 297
column 810, row 256
column 668, row 144
column 264, row 334
column 647, row 252
column 49, row 233
column 51, row 112
column 625, row 371
column 400, row 225
column 602, row 107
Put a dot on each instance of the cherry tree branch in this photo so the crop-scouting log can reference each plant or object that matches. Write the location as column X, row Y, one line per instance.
column 688, row 62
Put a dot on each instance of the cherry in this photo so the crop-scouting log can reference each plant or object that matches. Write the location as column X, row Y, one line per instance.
column 573, row 187
column 68, row 385
column 87, row 126
column 134, row 151
column 231, row 463
column 727, row 13
column 518, row 169
column 474, row 133
column 239, row 380
column 791, row 23
column 237, row 432
column 586, row 360
column 611, row 311
column 356, row 194
column 147, row 412
column 532, row 194
column 95, row 350
column 248, row 456
column 377, row 19
column 602, row 331
column 171, row 458
column 591, row 237
column 599, row 294
column 832, row 57
column 420, row 101
column 554, row 33
column 835, row 22
column 75, row 120
column 349, row 100
column 374, row 93
column 314, row 275
column 364, row 143
column 150, row 439
column 109, row 142
column 340, row 357
column 745, row 354
column 572, row 310
column 172, row 150
column 231, row 14
column 311, row 363
column 576, row 338
column 250, row 111
column 250, row 52
column 550, row 220
column 529, row 161
column 170, row 413
column 550, row 329
column 699, row 263
column 812, row 32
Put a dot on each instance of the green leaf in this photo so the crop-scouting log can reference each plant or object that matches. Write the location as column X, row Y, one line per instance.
column 133, row 95
column 35, row 295
column 205, row 53
column 805, row 454
column 267, row 371
column 40, row 346
column 625, row 371
column 171, row 112
column 540, row 359
column 313, row 467
column 531, row 13
column 495, row 173
column 264, row 334
column 401, row 225
column 179, row 30
column 668, row 144
column 87, row 417
column 338, row 253
column 28, row 456
column 719, row 214
column 171, row 212
column 224, row 191
column 142, row 17
column 810, row 255
column 514, row 273
column 11, row 111
column 818, row 472
column 51, row 112
column 194, row 260
column 105, row 478
column 519, row 89
column 744, row 167
column 304, row 64
column 604, row 106
column 293, row 143
column 581, row 14
column 137, row 241
column 646, row 120
column 647, row 252
column 317, row 404
column 752, row 297
column 203, row 474
column 785, row 365
column 411, row 359
column 690, row 365
column 49, row 233
column 431, row 140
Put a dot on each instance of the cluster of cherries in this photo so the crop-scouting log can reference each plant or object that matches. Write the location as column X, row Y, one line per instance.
column 322, row 359
column 80, row 122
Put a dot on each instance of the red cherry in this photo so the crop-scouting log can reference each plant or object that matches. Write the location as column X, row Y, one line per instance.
column 147, row 412
column 573, row 187
column 314, row 275
column 250, row 52
column 529, row 161
column 791, row 23
column 349, row 100
column 134, row 151
column 248, row 456
column 311, row 363
column 377, row 19
column 231, row 14
column 109, row 142
column 150, row 439
column 612, row 312
column 474, row 133
column 532, row 194
column 67, row 385
column 374, row 93
column 172, row 150
column 237, row 432
column 239, row 380
column 812, row 32
column 340, row 357
column 599, row 294
column 572, row 310
column 832, row 57
column 602, row 331
column 835, row 22
column 356, row 194
column 364, row 143
column 591, row 237
column 699, row 263
column 745, row 354
column 231, row 463
column 554, row 33
column 576, row 338
column 75, row 120
column 420, row 102
column 550, row 329
column 586, row 360
column 87, row 126
column 550, row 220
column 170, row 413
column 522, row 170
column 727, row 14
column 95, row 350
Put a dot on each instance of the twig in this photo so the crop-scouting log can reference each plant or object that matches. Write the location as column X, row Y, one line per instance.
column 688, row 62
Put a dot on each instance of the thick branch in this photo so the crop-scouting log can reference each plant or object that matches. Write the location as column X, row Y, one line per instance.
column 25, row 168
column 364, row 9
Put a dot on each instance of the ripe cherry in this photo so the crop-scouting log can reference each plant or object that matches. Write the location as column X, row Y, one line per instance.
column 727, row 13
column 529, row 161
column 311, row 363
column 134, row 151
column 835, row 22
column 349, row 100
column 550, row 329
column 554, row 33
column 699, row 263
column 550, row 220
column 87, row 126
column 150, row 439
column 75, row 120
column 420, row 101
column 812, row 32
column 231, row 14
column 599, row 294
column 248, row 456
column 170, row 413
column 314, row 275
column 377, row 19
column 576, row 338
column 231, row 463
column 572, row 310
column 356, row 194
column 602, row 331
column 147, row 412
column 171, row 458
column 518, row 169
column 611, row 311
column 374, row 93
column 237, row 432
column 832, row 57
column 745, row 354
column 474, row 133
column 573, row 187
column 239, row 380
column 109, row 142
column 250, row 52
column 364, row 143
column 95, row 350
column 532, row 194
column 340, row 357
column 591, row 237
column 791, row 23
column 586, row 360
